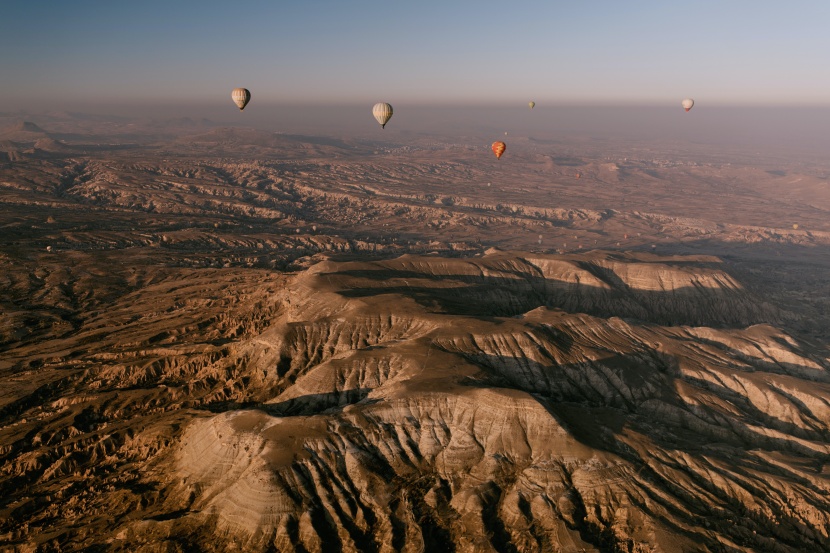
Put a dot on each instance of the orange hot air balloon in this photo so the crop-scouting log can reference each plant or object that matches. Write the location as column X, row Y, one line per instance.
column 498, row 148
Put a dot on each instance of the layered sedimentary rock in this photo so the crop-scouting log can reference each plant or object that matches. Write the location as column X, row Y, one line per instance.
column 508, row 402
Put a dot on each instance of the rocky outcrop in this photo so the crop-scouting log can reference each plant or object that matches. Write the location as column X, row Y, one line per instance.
column 510, row 402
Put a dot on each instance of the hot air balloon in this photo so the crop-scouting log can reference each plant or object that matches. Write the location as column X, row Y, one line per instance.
column 498, row 148
column 531, row 104
column 383, row 113
column 241, row 97
column 795, row 226
column 687, row 104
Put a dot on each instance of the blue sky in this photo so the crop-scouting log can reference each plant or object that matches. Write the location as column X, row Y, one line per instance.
column 359, row 51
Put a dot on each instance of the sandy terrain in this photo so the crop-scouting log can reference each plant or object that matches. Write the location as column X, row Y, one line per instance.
column 217, row 338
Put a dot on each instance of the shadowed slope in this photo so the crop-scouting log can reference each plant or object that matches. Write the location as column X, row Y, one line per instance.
column 504, row 403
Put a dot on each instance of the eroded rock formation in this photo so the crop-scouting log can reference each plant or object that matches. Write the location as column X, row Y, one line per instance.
column 510, row 402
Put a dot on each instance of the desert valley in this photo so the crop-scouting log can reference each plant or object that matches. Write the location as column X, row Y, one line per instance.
column 220, row 337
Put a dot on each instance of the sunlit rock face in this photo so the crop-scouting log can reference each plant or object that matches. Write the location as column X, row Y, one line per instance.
column 601, row 402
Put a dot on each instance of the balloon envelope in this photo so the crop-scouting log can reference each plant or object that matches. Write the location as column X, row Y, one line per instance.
column 382, row 112
column 241, row 97
column 687, row 104
column 499, row 148
column 532, row 104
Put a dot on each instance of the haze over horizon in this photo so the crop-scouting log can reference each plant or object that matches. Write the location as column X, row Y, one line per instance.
column 751, row 53
column 772, row 131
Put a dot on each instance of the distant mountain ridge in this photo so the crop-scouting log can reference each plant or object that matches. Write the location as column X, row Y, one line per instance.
column 27, row 126
column 23, row 131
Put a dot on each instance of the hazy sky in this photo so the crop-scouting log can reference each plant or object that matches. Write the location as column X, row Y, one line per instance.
column 362, row 51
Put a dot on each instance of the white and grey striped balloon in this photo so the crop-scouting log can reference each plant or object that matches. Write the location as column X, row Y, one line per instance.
column 382, row 112
column 241, row 97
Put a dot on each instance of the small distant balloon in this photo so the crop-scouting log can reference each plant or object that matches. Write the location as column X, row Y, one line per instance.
column 241, row 97
column 795, row 226
column 499, row 148
column 383, row 113
column 578, row 175
column 531, row 104
column 687, row 104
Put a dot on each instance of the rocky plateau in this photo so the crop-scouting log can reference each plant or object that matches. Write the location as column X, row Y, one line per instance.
column 218, row 338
